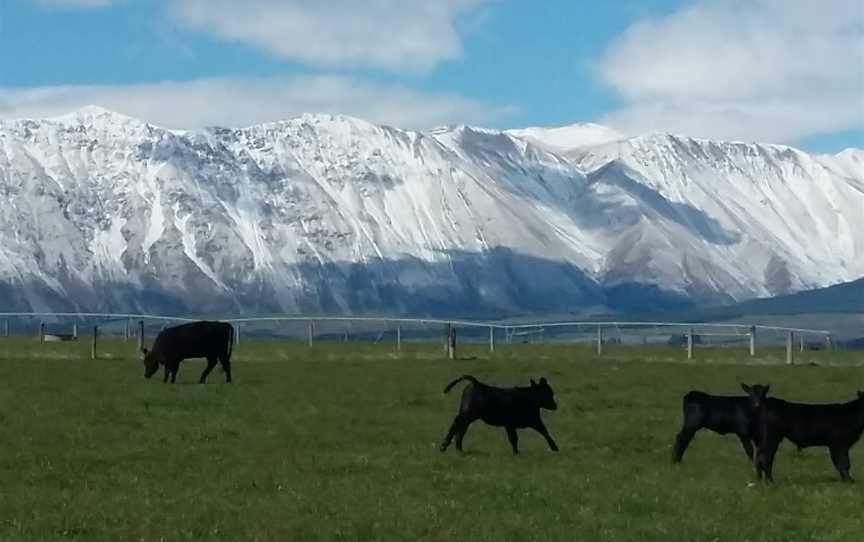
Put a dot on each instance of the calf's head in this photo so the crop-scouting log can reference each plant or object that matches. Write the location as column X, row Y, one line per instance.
column 757, row 393
column 151, row 363
column 544, row 394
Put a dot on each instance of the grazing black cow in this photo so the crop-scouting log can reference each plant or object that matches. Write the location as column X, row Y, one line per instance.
column 510, row 408
column 721, row 414
column 837, row 426
column 211, row 340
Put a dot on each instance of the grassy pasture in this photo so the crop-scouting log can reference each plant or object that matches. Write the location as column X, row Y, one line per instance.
column 339, row 442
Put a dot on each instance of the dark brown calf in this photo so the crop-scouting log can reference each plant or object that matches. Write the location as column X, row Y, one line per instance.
column 511, row 408
column 837, row 426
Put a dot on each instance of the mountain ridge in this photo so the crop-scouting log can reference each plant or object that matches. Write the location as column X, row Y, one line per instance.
column 328, row 213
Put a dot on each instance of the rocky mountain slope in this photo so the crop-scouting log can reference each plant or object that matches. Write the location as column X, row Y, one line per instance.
column 333, row 214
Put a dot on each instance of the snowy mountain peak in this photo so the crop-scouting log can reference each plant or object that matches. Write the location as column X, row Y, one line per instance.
column 328, row 213
column 564, row 138
column 94, row 113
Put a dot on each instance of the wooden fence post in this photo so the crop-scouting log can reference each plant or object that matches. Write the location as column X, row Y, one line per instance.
column 310, row 332
column 801, row 341
column 140, row 335
column 752, row 341
column 451, row 342
column 491, row 340
column 42, row 332
column 828, row 342
column 5, row 328
column 75, row 330
column 93, row 344
column 599, row 340
column 789, row 339
column 690, row 343
column 236, row 334
column 399, row 338
column 127, row 333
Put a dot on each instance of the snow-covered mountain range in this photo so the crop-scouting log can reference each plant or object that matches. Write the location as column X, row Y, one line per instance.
column 330, row 214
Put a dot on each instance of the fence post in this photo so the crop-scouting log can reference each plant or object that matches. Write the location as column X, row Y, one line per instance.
column 5, row 328
column 491, row 340
column 828, row 342
column 789, row 339
column 126, row 334
column 599, row 340
column 451, row 342
column 752, row 341
column 236, row 333
column 42, row 332
column 398, row 338
column 690, row 343
column 75, row 330
column 310, row 332
column 140, row 335
column 93, row 344
column 801, row 340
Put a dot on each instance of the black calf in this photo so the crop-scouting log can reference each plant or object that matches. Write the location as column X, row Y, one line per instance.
column 718, row 413
column 510, row 408
column 837, row 426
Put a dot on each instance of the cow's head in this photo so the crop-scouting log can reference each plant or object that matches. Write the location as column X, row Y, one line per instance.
column 544, row 394
column 151, row 363
column 757, row 393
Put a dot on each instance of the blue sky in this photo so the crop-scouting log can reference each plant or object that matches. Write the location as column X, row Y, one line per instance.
column 783, row 71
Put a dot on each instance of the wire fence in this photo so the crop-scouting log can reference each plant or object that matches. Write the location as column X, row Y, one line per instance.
column 599, row 335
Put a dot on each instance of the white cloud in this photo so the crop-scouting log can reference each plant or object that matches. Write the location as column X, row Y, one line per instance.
column 246, row 101
column 77, row 3
column 400, row 35
column 775, row 70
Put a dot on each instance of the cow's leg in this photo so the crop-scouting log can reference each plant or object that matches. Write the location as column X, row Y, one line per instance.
column 211, row 363
column 682, row 441
column 840, row 457
column 747, row 444
column 167, row 374
column 514, row 439
column 540, row 428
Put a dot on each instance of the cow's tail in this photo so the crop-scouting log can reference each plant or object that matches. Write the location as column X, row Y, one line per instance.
column 460, row 379
column 230, row 340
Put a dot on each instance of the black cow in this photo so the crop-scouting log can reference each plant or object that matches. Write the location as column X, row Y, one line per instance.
column 837, row 426
column 510, row 408
column 211, row 340
column 719, row 413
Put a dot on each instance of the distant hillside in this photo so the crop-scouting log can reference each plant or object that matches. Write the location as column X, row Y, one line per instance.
column 847, row 297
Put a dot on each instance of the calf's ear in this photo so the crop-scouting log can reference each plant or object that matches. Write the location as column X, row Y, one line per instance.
column 746, row 388
column 543, row 381
column 533, row 383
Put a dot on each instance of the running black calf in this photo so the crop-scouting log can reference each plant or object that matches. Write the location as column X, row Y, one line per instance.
column 510, row 408
column 718, row 413
column 838, row 426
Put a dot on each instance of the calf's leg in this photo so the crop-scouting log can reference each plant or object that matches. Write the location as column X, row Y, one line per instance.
column 540, row 428
column 457, row 428
column 211, row 363
column 766, row 454
column 840, row 457
column 226, row 366
column 682, row 441
column 514, row 439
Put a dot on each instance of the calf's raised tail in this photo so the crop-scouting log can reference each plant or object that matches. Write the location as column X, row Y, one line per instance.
column 460, row 379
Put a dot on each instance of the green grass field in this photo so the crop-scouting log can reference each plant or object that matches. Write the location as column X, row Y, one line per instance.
column 340, row 442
